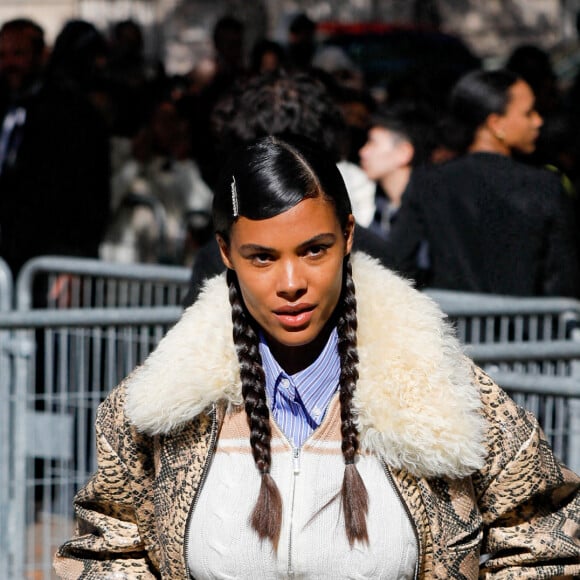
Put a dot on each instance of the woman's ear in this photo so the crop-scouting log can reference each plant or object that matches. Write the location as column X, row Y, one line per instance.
column 349, row 234
column 495, row 124
column 224, row 252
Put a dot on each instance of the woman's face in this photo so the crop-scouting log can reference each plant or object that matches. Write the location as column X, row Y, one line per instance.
column 520, row 124
column 289, row 269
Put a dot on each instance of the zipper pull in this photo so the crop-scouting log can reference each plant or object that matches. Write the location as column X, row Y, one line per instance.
column 296, row 460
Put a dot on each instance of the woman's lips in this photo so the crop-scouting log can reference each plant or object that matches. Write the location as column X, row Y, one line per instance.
column 295, row 316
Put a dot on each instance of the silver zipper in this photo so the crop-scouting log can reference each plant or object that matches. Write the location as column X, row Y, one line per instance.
column 296, row 471
column 211, row 452
column 409, row 515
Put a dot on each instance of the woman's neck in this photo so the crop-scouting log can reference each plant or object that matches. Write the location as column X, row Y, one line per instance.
column 297, row 358
column 486, row 142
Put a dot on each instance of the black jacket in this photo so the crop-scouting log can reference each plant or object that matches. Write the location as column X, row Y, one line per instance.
column 54, row 194
column 493, row 225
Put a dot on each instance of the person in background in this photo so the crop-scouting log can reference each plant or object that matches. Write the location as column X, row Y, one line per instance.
column 400, row 138
column 161, row 206
column 136, row 83
column 302, row 45
column 79, row 64
column 533, row 64
column 267, row 57
column 229, row 68
column 54, row 174
column 493, row 224
column 557, row 147
column 228, row 41
column 79, row 58
column 357, row 107
column 54, row 155
column 335, row 61
column 292, row 424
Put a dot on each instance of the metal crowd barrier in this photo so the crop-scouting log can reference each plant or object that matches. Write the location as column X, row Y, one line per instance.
column 531, row 347
column 6, row 457
column 79, row 327
column 54, row 282
column 76, row 327
column 484, row 318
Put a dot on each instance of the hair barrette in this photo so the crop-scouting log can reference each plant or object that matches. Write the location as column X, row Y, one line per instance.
column 235, row 207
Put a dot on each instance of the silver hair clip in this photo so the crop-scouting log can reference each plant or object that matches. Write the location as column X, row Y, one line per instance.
column 235, row 208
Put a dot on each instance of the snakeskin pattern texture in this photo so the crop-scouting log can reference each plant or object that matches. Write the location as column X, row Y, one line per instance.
column 521, row 511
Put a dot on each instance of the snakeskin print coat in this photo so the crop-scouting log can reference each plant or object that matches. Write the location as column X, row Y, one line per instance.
column 487, row 497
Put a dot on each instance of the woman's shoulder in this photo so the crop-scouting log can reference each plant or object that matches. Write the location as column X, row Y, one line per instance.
column 516, row 445
column 512, row 431
column 435, row 175
column 112, row 407
column 520, row 168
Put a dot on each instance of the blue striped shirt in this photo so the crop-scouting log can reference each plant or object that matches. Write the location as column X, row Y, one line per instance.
column 299, row 402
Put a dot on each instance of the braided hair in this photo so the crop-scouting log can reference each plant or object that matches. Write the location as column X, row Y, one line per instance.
column 353, row 493
column 267, row 515
column 265, row 179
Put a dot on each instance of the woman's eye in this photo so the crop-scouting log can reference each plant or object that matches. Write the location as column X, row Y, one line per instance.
column 316, row 250
column 261, row 258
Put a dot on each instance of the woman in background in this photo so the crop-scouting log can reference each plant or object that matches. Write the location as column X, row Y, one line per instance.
column 493, row 224
column 295, row 423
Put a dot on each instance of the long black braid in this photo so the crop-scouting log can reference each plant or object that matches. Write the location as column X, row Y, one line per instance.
column 266, row 517
column 354, row 493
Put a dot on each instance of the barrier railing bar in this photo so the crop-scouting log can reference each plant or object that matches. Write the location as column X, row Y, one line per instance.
column 88, row 267
column 524, row 351
column 537, row 384
column 40, row 318
column 484, row 304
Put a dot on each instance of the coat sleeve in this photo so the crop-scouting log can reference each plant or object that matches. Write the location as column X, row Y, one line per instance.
column 107, row 542
column 409, row 229
column 529, row 501
column 562, row 275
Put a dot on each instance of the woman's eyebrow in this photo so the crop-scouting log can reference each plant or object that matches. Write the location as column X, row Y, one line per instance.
column 256, row 248
column 328, row 238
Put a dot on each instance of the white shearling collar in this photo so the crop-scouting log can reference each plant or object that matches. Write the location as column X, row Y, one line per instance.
column 417, row 404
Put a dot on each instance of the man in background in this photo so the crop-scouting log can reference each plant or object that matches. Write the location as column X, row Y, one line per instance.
column 399, row 139
column 54, row 157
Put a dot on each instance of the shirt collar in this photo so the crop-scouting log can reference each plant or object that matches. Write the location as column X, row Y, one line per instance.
column 314, row 386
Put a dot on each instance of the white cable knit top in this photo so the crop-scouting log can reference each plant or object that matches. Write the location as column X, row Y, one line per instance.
column 313, row 544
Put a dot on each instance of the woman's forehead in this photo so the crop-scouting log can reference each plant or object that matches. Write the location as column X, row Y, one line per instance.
column 520, row 93
column 307, row 219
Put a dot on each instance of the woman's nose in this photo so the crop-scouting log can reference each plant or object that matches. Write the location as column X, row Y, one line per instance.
column 291, row 281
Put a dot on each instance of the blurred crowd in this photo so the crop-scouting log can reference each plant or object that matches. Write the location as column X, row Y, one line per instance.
column 469, row 184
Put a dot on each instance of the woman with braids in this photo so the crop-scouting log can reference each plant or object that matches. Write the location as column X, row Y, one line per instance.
column 312, row 416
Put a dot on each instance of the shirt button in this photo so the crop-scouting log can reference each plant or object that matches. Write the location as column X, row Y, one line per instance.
column 316, row 412
column 285, row 383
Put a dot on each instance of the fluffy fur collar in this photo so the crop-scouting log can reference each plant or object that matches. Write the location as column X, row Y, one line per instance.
column 418, row 407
